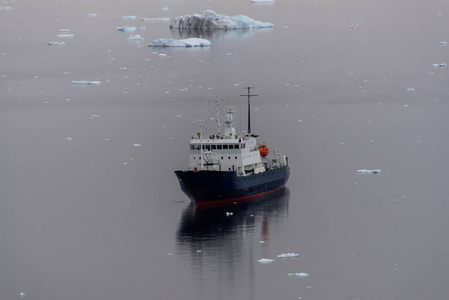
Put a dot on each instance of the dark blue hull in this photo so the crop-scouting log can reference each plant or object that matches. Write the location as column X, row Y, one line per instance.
column 209, row 188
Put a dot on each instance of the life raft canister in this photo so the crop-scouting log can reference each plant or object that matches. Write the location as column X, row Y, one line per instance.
column 263, row 150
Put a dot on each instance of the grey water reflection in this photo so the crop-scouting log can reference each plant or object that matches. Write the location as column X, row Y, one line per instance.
column 216, row 35
column 221, row 250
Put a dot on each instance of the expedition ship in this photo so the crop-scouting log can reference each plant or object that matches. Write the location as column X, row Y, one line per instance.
column 226, row 167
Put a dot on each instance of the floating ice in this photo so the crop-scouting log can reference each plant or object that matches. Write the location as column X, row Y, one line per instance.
column 137, row 145
column 443, row 43
column 56, row 43
column 192, row 42
column 136, row 37
column 210, row 20
column 130, row 18
column 229, row 214
column 410, row 90
column 86, row 82
column 364, row 171
column 22, row 294
column 155, row 19
column 288, row 255
column 302, row 274
column 262, row 1
column 165, row 8
column 265, row 261
column 66, row 35
column 63, row 30
column 441, row 65
column 93, row 15
column 127, row 29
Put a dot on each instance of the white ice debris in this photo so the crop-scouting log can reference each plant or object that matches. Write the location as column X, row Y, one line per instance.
column 229, row 214
column 262, row 1
column 66, row 35
column 443, row 43
column 410, row 89
column 192, row 42
column 92, row 15
column 130, row 18
column 288, row 255
column 136, row 37
column 127, row 29
column 155, row 19
column 210, row 20
column 265, row 261
column 165, row 8
column 63, row 30
column 440, row 65
column 86, row 82
column 22, row 294
column 302, row 274
column 365, row 171
column 137, row 145
column 56, row 43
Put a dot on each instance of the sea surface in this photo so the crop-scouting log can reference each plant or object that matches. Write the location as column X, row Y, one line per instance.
column 90, row 207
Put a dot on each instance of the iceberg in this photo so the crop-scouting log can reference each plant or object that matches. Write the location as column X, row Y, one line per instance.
column 302, row 274
column 155, row 19
column 127, row 29
column 288, row 255
column 265, row 261
column 364, row 171
column 192, row 42
column 210, row 20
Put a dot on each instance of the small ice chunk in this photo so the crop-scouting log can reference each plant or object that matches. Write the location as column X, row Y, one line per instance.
column 440, row 65
column 63, row 30
column 85, row 82
column 262, row 242
column 69, row 138
column 165, row 8
column 199, row 251
column 155, row 19
column 410, row 89
column 136, row 37
column 265, row 261
column 262, row 1
column 443, row 43
column 92, row 15
column 127, row 29
column 302, row 274
column 129, row 18
column 365, row 171
column 137, row 145
column 229, row 214
column 22, row 294
column 56, row 43
column 66, row 35
column 191, row 42
column 288, row 255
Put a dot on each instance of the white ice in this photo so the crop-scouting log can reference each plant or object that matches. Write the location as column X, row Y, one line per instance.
column 365, row 171
column 56, row 43
column 265, row 261
column 440, row 65
column 86, row 82
column 130, row 18
column 209, row 19
column 288, row 255
column 302, row 274
column 127, row 29
column 262, row 1
column 155, row 19
column 229, row 214
column 136, row 37
column 192, row 42
column 93, row 15
column 66, row 35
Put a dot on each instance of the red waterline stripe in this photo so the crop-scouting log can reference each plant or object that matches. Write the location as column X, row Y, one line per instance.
column 233, row 200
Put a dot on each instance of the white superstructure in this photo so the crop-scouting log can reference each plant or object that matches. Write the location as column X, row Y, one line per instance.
column 228, row 151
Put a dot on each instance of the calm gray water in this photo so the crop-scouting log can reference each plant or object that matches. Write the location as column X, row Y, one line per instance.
column 89, row 204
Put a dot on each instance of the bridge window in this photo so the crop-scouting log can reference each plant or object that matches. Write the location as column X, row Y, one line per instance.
column 225, row 147
column 219, row 147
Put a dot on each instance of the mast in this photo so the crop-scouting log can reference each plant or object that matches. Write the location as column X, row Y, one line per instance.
column 249, row 106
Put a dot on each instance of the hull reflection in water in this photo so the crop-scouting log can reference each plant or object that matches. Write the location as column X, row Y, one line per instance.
column 220, row 250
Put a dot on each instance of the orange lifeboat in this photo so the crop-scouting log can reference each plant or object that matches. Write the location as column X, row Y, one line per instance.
column 263, row 150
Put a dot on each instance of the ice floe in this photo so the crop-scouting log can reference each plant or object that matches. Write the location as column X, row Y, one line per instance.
column 93, row 15
column 288, row 255
column 229, row 214
column 85, row 82
column 136, row 37
column 127, row 29
column 66, row 35
column 301, row 275
column 56, row 43
column 440, row 65
column 155, row 19
column 365, row 171
column 129, row 18
column 262, row 1
column 410, row 89
column 265, row 261
column 210, row 20
column 192, row 42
